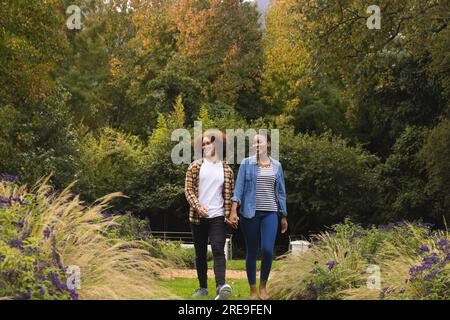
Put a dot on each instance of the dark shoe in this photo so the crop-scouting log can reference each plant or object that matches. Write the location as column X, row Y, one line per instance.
column 200, row 292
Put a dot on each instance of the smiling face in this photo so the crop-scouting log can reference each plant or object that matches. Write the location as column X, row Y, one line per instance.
column 208, row 147
column 261, row 144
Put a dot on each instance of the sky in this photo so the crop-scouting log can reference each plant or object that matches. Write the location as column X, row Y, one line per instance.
column 262, row 7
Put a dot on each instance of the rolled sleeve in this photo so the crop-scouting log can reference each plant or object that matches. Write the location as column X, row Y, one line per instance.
column 239, row 185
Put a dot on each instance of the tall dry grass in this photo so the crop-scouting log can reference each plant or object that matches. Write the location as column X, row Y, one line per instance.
column 395, row 252
column 73, row 233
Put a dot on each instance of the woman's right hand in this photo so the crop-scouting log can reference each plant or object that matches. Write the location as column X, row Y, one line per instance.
column 202, row 212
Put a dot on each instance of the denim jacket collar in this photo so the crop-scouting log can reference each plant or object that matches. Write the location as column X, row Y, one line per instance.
column 275, row 163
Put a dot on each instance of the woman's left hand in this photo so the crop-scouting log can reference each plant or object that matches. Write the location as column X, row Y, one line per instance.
column 284, row 225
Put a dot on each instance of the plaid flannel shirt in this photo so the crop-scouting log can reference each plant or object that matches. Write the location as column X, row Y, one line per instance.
column 191, row 189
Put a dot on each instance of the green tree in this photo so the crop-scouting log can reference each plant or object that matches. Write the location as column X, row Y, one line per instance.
column 219, row 45
column 32, row 42
column 39, row 142
column 403, row 181
column 89, row 70
column 327, row 180
column 396, row 76
column 435, row 154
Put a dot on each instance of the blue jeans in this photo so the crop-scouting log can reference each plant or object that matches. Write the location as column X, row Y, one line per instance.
column 261, row 228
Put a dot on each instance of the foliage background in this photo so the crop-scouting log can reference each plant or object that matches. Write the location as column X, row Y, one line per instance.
column 364, row 114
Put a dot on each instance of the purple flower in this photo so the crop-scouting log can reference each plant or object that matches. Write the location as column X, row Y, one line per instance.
column 427, row 277
column 330, row 264
column 430, row 260
column 41, row 290
column 436, row 272
column 15, row 243
column 55, row 280
column 443, row 244
column 48, row 231
column 73, row 294
column 311, row 286
column 313, row 271
column 20, row 223
column 8, row 177
column 424, row 248
column 27, row 295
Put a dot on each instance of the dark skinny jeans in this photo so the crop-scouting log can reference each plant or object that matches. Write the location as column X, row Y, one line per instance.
column 214, row 229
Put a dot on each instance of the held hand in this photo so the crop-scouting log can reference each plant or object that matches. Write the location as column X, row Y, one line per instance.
column 233, row 220
column 202, row 212
column 284, row 225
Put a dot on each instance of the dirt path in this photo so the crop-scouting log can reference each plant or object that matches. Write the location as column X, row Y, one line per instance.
column 192, row 273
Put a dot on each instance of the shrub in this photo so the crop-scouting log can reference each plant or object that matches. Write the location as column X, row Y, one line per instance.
column 26, row 271
column 107, row 163
column 129, row 227
column 40, row 141
column 414, row 263
column 326, row 178
column 172, row 252
column 68, row 233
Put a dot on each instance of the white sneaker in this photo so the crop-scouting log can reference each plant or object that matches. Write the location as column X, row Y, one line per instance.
column 223, row 292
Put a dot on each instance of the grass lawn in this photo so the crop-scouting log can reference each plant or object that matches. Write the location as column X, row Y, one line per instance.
column 185, row 287
column 240, row 264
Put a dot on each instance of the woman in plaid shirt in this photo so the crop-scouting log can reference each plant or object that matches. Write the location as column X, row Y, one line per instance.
column 208, row 188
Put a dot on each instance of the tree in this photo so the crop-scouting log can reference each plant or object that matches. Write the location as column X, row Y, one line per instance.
column 41, row 141
column 32, row 42
column 157, row 188
column 287, row 63
column 90, row 70
column 218, row 45
column 396, row 76
column 435, row 155
column 327, row 180
column 403, row 181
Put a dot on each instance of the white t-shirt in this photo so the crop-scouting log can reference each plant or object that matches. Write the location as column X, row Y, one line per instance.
column 210, row 188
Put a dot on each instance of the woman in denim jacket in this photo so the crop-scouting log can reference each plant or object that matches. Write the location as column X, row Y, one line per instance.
column 260, row 194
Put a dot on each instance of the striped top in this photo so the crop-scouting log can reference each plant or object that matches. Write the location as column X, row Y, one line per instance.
column 265, row 190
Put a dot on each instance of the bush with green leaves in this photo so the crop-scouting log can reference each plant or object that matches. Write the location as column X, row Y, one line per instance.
column 129, row 227
column 108, row 162
column 326, row 180
column 435, row 156
column 41, row 141
column 173, row 252
column 406, row 183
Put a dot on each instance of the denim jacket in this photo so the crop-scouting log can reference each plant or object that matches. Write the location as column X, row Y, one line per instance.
column 245, row 187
